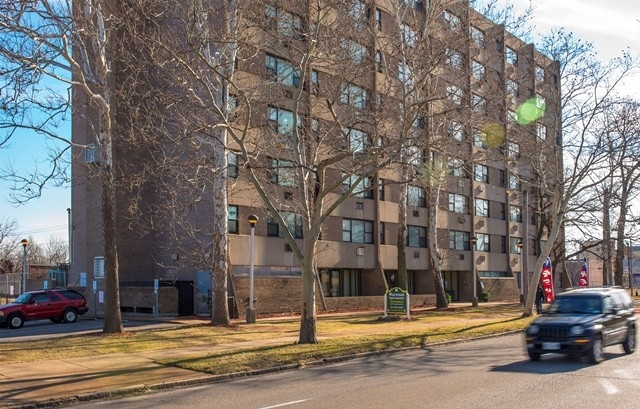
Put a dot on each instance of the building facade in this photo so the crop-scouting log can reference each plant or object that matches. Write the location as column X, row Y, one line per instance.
column 457, row 90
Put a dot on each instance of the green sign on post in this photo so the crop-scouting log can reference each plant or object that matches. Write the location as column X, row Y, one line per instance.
column 396, row 301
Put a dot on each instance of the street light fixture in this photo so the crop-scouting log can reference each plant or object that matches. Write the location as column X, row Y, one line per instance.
column 251, row 312
column 24, row 243
column 473, row 241
column 521, row 247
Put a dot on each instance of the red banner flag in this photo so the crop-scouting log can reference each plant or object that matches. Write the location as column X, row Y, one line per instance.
column 547, row 280
column 584, row 276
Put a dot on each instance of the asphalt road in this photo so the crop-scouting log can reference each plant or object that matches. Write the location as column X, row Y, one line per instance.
column 42, row 329
column 492, row 373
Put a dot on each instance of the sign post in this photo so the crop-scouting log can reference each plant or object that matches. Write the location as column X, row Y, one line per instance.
column 396, row 301
column 156, row 284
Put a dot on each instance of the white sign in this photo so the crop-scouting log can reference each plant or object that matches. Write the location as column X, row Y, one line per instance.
column 83, row 279
column 101, row 297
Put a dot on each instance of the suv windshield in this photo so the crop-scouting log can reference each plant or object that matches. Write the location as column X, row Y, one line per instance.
column 576, row 305
column 22, row 299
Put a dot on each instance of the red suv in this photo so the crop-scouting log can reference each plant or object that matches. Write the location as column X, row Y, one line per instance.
column 56, row 305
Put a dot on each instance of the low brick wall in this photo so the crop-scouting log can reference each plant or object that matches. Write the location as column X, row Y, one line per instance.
column 142, row 301
column 281, row 295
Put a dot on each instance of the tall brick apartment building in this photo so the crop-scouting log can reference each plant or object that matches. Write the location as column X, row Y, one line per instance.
column 480, row 79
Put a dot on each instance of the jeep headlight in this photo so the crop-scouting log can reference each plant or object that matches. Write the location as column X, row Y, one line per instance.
column 533, row 329
column 1, row 313
column 577, row 330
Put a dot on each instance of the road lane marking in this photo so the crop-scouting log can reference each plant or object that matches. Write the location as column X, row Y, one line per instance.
column 285, row 404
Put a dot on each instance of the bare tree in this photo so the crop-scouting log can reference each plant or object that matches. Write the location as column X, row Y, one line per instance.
column 588, row 88
column 48, row 49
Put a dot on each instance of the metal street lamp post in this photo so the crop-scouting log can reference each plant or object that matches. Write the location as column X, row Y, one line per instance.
column 24, row 243
column 251, row 312
column 521, row 247
column 474, row 300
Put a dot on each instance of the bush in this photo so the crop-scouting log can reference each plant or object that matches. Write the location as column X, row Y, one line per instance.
column 485, row 296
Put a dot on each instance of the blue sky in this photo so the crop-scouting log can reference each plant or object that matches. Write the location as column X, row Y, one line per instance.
column 611, row 25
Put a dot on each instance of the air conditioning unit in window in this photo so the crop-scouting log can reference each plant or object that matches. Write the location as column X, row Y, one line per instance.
column 360, row 251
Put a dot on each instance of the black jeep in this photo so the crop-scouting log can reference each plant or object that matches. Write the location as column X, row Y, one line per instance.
column 582, row 322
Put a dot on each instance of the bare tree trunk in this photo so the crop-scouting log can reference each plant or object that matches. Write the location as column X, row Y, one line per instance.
column 606, row 237
column 308, row 321
column 434, row 251
column 402, row 230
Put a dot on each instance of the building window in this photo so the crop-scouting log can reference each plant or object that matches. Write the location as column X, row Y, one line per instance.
column 291, row 220
column 478, row 70
column 281, row 120
column 358, row 141
column 416, row 236
column 454, row 94
column 98, row 267
column 357, row 231
column 381, row 232
column 481, row 173
column 452, row 21
column 416, row 156
column 479, row 139
column 282, row 173
column 455, row 130
column 357, row 9
column 539, row 74
column 353, row 95
column 459, row 240
column 481, row 207
column 287, row 24
column 404, row 73
column 381, row 189
column 315, row 84
column 361, row 188
column 478, row 103
column 341, row 283
column 503, row 178
column 510, row 56
column 92, row 153
column 416, row 196
column 282, row 71
column 512, row 116
column 513, row 245
column 454, row 59
column 458, row 203
column 503, row 211
column 513, row 150
column 542, row 132
column 232, row 165
column 512, row 88
column 378, row 19
column 514, row 182
column 352, row 51
column 477, row 36
column 233, row 219
column 515, row 214
column 408, row 35
column 483, row 242
column 456, row 167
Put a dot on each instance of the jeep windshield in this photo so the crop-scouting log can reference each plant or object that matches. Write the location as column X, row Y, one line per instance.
column 576, row 305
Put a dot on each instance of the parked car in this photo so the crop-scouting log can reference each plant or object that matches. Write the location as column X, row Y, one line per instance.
column 582, row 322
column 56, row 305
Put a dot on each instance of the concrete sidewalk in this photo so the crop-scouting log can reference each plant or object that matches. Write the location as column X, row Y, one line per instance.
column 63, row 382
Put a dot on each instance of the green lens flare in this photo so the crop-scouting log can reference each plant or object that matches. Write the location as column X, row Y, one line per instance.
column 530, row 111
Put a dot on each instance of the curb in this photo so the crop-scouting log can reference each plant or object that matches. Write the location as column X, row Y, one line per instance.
column 137, row 390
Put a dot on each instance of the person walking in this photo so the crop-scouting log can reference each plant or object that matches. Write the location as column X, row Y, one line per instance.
column 539, row 299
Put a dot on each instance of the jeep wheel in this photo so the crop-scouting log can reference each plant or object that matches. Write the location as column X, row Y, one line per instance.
column 596, row 352
column 534, row 356
column 15, row 321
column 629, row 343
column 69, row 316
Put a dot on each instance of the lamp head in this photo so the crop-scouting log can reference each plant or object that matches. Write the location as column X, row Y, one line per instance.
column 253, row 219
column 24, row 242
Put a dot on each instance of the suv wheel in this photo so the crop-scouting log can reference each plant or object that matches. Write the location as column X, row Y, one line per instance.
column 15, row 321
column 534, row 356
column 69, row 316
column 629, row 343
column 596, row 352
